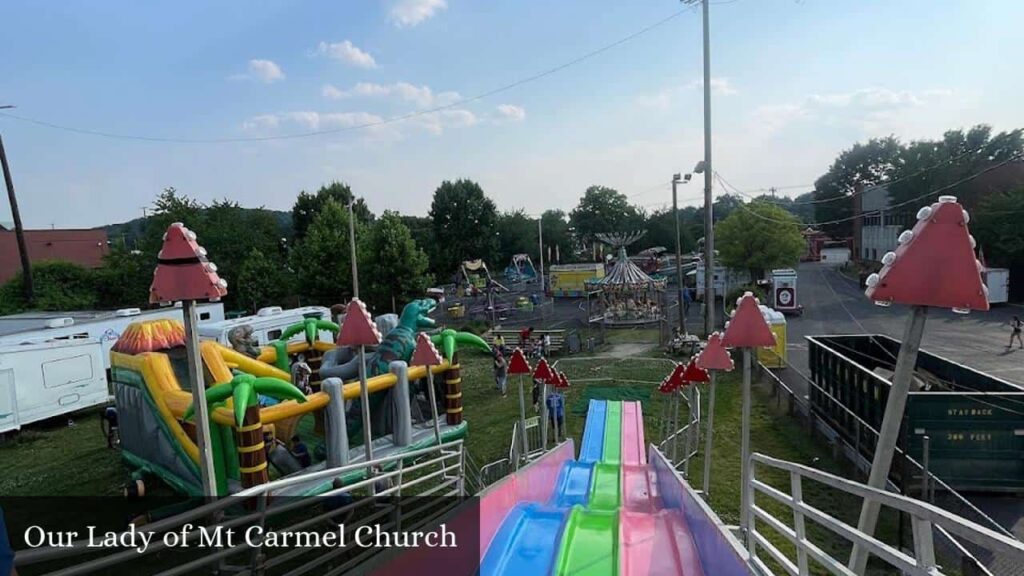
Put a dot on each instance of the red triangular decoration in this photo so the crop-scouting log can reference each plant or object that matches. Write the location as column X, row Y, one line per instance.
column 665, row 387
column 675, row 378
column 182, row 271
column 747, row 328
column 934, row 265
column 714, row 356
column 358, row 329
column 518, row 364
column 563, row 382
column 542, row 372
column 694, row 373
column 426, row 353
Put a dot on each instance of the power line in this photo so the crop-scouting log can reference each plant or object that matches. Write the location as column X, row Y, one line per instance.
column 365, row 125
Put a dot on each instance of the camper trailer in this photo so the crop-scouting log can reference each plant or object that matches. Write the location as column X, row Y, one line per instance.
column 40, row 380
column 104, row 327
column 267, row 324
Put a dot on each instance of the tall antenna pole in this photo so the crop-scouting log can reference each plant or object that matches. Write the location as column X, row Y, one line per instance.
column 19, row 230
column 709, row 221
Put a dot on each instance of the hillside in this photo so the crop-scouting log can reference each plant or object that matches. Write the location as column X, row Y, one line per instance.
column 133, row 229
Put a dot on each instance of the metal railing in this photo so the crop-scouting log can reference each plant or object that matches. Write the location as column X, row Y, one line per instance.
column 533, row 442
column 436, row 473
column 689, row 432
column 924, row 518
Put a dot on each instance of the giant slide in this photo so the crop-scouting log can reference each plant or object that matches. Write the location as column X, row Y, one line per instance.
column 598, row 514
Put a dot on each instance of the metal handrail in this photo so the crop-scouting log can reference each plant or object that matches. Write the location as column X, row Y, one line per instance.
column 924, row 517
column 391, row 468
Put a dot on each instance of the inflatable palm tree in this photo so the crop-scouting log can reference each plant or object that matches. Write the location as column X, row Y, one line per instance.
column 245, row 390
column 449, row 341
column 311, row 327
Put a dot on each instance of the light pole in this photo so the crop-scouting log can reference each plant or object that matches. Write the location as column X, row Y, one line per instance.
column 679, row 255
column 540, row 242
column 19, row 230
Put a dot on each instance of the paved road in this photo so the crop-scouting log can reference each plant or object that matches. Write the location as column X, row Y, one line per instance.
column 834, row 304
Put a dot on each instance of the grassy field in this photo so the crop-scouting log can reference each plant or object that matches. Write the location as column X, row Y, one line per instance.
column 74, row 460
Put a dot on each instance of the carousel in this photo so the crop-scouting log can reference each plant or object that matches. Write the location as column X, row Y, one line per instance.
column 627, row 295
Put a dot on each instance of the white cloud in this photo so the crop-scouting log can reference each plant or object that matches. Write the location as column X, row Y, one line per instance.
column 409, row 13
column 371, row 124
column 512, row 112
column 265, row 71
column 346, row 52
column 421, row 96
column 665, row 98
column 720, row 86
column 870, row 110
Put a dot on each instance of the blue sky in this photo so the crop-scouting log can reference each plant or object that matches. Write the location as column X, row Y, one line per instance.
column 794, row 83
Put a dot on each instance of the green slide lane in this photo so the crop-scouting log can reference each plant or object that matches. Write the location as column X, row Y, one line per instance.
column 590, row 544
column 604, row 487
column 613, row 433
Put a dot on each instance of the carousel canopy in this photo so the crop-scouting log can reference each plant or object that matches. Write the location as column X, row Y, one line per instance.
column 625, row 275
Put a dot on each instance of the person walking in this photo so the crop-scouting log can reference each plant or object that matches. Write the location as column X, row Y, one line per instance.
column 499, row 343
column 1016, row 324
column 500, row 373
column 546, row 349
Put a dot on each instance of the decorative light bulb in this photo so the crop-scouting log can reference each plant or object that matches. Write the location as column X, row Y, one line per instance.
column 889, row 258
column 905, row 236
column 967, row 217
column 961, row 310
column 974, row 244
column 981, row 267
column 210, row 266
column 924, row 213
column 883, row 303
column 872, row 280
column 202, row 252
column 947, row 199
column 191, row 235
column 222, row 283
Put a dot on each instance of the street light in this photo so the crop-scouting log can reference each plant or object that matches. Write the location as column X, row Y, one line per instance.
column 679, row 257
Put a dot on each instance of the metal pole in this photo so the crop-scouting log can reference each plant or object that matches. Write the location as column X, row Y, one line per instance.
column 19, row 231
column 890, row 430
column 352, row 243
column 522, row 417
column 540, row 242
column 688, row 439
column 745, row 443
column 675, row 428
column 433, row 405
column 679, row 256
column 710, row 433
column 544, row 415
column 364, row 398
column 925, row 480
column 709, row 222
column 198, row 384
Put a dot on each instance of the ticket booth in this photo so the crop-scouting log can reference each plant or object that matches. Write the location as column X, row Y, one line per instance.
column 783, row 291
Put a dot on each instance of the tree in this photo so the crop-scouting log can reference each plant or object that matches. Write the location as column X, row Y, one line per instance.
column 465, row 225
column 395, row 268
column 557, row 233
column 58, row 286
column 307, row 206
column 661, row 231
column 124, row 279
column 862, row 165
column 169, row 207
column 758, row 237
column 996, row 226
column 262, row 281
column 517, row 234
column 603, row 209
column 322, row 260
column 229, row 233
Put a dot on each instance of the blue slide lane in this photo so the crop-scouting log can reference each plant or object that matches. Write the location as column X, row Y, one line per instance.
column 573, row 485
column 526, row 543
column 592, row 448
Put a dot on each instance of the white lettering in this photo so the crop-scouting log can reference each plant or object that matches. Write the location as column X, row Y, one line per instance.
column 254, row 535
column 215, row 538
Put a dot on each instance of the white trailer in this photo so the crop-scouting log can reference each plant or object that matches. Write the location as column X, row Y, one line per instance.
column 104, row 327
column 267, row 324
column 998, row 282
column 41, row 380
column 725, row 279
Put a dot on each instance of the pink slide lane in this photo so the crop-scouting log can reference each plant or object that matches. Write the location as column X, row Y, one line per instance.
column 656, row 544
column 634, row 453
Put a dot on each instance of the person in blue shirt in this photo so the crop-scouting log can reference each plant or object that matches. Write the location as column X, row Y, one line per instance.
column 6, row 552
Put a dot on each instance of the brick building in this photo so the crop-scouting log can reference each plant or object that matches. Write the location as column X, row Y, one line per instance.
column 82, row 247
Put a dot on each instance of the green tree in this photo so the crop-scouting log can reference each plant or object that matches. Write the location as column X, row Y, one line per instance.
column 465, row 222
column 603, row 209
column 862, row 165
column 517, row 234
column 995, row 225
column 169, row 207
column 58, row 286
column 262, row 281
column 394, row 268
column 124, row 279
column 758, row 237
column 661, row 231
column 307, row 206
column 322, row 260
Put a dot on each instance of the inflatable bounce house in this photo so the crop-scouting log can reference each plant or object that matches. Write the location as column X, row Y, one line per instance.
column 291, row 409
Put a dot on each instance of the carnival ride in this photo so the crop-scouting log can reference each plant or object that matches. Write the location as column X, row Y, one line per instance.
column 521, row 269
column 628, row 296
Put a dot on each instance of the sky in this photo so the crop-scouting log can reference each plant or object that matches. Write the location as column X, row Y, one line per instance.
column 794, row 82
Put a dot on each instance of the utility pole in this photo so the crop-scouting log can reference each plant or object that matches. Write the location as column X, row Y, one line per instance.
column 352, row 242
column 709, row 221
column 679, row 255
column 772, row 190
column 19, row 230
